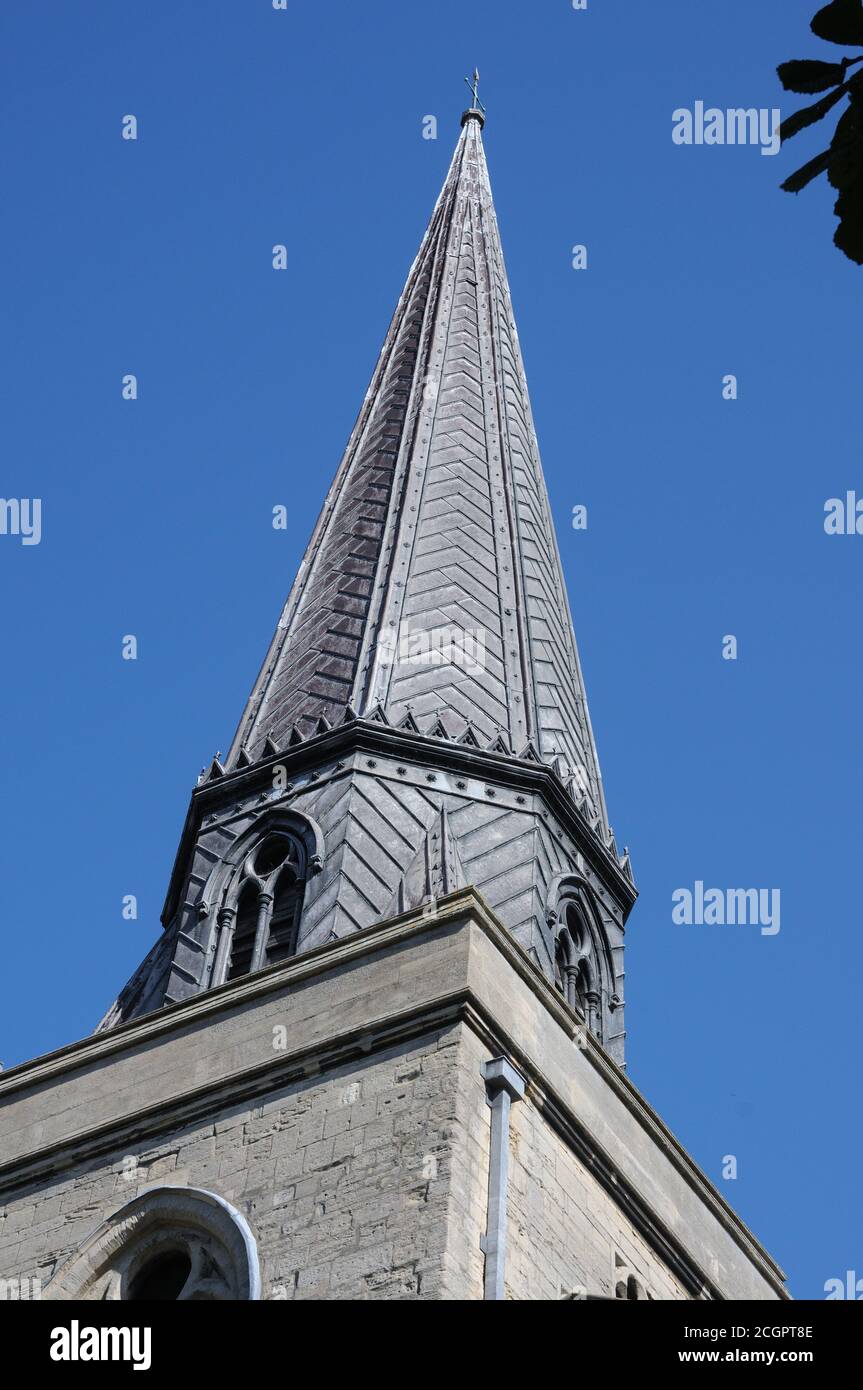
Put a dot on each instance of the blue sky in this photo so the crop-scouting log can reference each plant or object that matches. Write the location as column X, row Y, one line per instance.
column 705, row 515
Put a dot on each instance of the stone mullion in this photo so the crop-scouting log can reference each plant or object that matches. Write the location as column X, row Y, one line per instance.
column 227, row 922
column 265, row 909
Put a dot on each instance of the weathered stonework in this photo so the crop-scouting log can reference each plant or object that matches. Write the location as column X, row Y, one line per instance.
column 337, row 1101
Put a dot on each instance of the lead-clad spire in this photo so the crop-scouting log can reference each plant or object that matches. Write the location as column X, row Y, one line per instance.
column 432, row 584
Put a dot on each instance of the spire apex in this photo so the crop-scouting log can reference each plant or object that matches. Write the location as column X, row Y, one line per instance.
column 476, row 110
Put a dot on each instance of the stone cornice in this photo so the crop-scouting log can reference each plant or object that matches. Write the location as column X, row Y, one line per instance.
column 452, row 914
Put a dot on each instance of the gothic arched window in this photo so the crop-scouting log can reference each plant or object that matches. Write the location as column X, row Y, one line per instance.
column 577, row 971
column 259, row 920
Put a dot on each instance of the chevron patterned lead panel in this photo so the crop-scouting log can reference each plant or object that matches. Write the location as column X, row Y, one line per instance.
column 432, row 585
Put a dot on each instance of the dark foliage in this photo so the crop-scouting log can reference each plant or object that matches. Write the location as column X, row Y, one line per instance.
column 839, row 22
column 808, row 76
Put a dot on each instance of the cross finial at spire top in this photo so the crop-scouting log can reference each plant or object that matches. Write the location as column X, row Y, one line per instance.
column 476, row 104
column 477, row 109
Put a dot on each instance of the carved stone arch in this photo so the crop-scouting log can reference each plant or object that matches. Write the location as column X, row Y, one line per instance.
column 563, row 947
column 205, row 1245
column 302, row 828
column 573, row 890
column 580, row 939
column 237, row 870
column 251, row 870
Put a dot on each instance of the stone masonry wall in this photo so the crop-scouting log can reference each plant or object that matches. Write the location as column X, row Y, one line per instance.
column 356, row 1184
column 368, row 1182
column 359, row 1153
column 565, row 1232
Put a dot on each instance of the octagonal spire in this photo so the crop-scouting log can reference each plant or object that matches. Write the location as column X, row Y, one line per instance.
column 432, row 584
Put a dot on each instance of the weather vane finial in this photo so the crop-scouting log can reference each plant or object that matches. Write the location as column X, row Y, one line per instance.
column 477, row 104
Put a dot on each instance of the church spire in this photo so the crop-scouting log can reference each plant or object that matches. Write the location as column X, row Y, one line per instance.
column 436, row 536
column 419, row 725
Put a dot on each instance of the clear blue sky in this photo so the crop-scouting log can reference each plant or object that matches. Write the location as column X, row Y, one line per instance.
column 705, row 516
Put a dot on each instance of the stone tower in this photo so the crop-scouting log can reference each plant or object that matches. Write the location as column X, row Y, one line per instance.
column 378, row 1049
